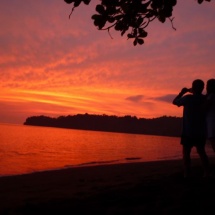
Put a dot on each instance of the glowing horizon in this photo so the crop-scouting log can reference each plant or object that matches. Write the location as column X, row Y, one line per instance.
column 52, row 65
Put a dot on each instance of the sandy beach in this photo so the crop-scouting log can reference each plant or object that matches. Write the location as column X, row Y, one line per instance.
column 132, row 188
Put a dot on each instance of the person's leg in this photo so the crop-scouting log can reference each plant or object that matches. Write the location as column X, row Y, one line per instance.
column 186, row 160
column 212, row 142
column 204, row 158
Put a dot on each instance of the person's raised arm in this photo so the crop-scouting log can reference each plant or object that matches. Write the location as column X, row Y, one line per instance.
column 177, row 98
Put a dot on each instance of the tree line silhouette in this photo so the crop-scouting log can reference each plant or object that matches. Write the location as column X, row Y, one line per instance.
column 163, row 126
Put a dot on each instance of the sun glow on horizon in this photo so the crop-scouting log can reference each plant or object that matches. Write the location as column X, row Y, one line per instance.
column 52, row 65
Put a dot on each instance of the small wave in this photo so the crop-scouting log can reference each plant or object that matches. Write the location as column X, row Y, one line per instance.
column 93, row 163
column 170, row 157
column 133, row 158
column 21, row 153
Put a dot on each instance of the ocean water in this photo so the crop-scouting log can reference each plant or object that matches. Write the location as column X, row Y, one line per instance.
column 26, row 149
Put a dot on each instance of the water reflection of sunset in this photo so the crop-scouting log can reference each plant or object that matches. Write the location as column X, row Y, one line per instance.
column 53, row 65
column 31, row 148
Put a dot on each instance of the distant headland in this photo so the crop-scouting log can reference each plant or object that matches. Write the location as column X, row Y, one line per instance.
column 163, row 126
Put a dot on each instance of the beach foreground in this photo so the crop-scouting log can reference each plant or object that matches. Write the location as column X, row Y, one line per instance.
column 132, row 188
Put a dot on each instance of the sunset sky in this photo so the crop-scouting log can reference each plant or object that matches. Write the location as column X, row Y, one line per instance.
column 52, row 65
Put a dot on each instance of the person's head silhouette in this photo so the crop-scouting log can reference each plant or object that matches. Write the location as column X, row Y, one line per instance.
column 210, row 86
column 197, row 86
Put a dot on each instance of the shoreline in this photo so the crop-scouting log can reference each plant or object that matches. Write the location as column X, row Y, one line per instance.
column 88, row 164
column 138, row 187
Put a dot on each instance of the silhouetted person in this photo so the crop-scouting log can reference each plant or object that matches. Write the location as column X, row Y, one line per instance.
column 210, row 114
column 194, row 125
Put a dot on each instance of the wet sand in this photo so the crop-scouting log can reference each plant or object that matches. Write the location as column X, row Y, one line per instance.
column 132, row 188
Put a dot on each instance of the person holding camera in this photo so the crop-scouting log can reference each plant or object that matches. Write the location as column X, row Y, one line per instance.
column 210, row 111
column 194, row 124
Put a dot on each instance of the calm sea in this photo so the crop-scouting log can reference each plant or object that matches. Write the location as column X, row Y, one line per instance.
column 26, row 149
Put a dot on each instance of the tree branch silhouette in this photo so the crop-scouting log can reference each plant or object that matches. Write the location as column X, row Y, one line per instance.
column 130, row 16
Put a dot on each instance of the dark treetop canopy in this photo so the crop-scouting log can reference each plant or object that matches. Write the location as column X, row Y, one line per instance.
column 130, row 16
